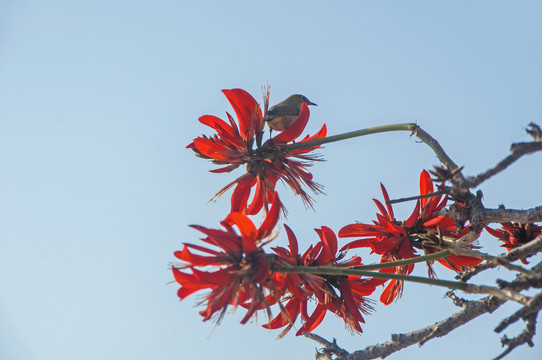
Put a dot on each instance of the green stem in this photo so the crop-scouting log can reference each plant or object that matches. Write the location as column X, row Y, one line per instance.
column 324, row 270
column 349, row 135
column 414, row 260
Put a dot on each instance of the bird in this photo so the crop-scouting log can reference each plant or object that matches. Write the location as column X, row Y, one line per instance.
column 282, row 115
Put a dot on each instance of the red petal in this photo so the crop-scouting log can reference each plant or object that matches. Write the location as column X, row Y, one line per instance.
column 214, row 278
column 248, row 231
column 320, row 134
column 223, row 129
column 356, row 244
column 201, row 248
column 247, row 111
column 219, row 238
column 413, row 218
column 349, row 302
column 194, row 259
column 386, row 199
column 257, row 201
column 459, row 261
column 391, row 227
column 391, row 292
column 495, row 232
column 296, row 128
column 184, row 292
column 225, row 169
column 292, row 311
column 314, row 320
column 212, row 149
column 292, row 240
column 426, row 186
column 382, row 209
column 239, row 198
column 271, row 219
column 329, row 249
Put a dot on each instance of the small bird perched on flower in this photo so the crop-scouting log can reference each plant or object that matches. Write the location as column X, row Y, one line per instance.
column 282, row 115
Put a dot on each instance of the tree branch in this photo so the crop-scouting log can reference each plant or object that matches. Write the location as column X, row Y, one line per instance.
column 526, row 337
column 329, row 349
column 517, row 151
column 398, row 342
column 433, row 144
column 504, row 215
column 523, row 251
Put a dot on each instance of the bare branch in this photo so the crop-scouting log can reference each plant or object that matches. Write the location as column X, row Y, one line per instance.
column 517, row 151
column 469, row 208
column 411, row 198
column 329, row 347
column 526, row 337
column 498, row 293
column 535, row 131
column 470, row 311
column 435, row 146
column 504, row 215
column 497, row 260
column 532, row 307
column 523, row 251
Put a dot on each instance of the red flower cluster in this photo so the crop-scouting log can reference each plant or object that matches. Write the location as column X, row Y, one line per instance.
column 515, row 234
column 242, row 274
column 238, row 273
column 240, row 143
column 396, row 240
column 341, row 295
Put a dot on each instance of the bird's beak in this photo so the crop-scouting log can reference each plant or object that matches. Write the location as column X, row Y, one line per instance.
column 311, row 103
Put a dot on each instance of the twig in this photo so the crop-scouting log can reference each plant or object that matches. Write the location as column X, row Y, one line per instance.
column 395, row 201
column 526, row 337
column 437, row 149
column 497, row 260
column 499, row 293
column 398, row 342
column 518, row 150
column 504, row 215
column 330, row 347
column 535, row 131
column 460, row 302
column 528, row 249
column 533, row 306
column 469, row 238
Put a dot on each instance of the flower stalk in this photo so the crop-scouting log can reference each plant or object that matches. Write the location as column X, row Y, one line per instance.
column 333, row 271
column 454, row 285
column 350, row 135
column 391, row 264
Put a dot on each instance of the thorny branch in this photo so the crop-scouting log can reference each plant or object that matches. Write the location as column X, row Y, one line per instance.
column 473, row 211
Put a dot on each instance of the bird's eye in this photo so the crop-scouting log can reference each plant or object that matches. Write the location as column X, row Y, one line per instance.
column 304, row 99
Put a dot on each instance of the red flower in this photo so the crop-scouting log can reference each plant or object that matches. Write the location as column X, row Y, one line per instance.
column 516, row 234
column 237, row 273
column 396, row 240
column 233, row 146
column 342, row 295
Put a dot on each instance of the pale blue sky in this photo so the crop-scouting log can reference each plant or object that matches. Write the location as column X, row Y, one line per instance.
column 98, row 100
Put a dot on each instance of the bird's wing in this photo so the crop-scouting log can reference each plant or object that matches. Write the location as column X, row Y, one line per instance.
column 282, row 110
